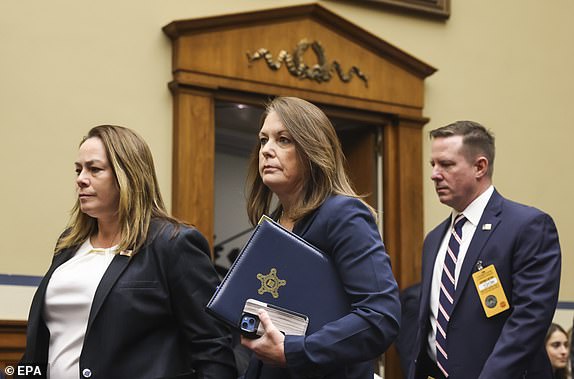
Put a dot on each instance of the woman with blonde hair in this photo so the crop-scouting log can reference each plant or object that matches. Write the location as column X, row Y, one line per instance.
column 299, row 162
column 125, row 293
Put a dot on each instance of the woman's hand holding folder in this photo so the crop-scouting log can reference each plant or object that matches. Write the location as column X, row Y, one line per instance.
column 268, row 347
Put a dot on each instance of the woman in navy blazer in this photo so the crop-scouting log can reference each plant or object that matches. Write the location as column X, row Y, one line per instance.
column 125, row 294
column 299, row 160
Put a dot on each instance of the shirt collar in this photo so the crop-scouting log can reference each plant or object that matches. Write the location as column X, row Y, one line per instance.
column 473, row 212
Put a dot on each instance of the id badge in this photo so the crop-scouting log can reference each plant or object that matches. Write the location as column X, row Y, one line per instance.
column 490, row 291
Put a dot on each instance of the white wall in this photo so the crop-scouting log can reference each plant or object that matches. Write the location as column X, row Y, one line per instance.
column 230, row 215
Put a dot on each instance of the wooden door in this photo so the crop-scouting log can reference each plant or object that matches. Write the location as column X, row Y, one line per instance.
column 239, row 54
column 359, row 146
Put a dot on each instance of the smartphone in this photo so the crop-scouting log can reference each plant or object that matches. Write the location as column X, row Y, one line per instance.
column 288, row 322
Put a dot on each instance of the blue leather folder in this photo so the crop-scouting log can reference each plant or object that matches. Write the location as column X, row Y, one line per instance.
column 280, row 268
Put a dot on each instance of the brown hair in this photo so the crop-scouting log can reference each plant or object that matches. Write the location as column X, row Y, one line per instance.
column 319, row 150
column 561, row 373
column 476, row 139
column 140, row 197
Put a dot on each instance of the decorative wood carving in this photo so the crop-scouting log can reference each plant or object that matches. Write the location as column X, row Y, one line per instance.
column 320, row 72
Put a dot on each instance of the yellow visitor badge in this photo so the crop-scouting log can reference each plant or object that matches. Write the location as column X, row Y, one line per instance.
column 490, row 290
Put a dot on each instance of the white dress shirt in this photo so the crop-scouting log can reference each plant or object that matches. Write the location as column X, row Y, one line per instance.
column 68, row 301
column 473, row 213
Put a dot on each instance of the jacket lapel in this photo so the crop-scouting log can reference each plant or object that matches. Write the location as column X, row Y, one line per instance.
column 61, row 258
column 429, row 258
column 302, row 226
column 491, row 215
column 115, row 269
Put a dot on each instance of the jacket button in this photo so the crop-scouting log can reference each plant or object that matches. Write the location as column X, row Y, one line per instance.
column 87, row 373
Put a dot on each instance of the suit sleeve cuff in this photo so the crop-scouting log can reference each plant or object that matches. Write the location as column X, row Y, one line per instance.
column 296, row 357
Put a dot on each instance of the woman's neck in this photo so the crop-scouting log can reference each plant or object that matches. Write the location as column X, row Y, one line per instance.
column 285, row 218
column 289, row 203
column 286, row 222
column 108, row 234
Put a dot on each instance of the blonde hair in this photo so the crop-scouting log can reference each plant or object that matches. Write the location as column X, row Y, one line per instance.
column 140, row 197
column 319, row 151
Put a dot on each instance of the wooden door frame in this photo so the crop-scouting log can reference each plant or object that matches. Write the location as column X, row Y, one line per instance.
column 209, row 64
column 193, row 176
column 193, row 169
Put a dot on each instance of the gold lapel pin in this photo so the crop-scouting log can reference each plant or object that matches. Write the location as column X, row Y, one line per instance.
column 127, row 253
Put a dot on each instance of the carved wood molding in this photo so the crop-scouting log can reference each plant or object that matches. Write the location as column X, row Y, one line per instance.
column 320, row 72
column 176, row 29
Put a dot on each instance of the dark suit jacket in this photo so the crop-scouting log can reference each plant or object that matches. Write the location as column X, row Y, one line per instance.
column 147, row 318
column 410, row 307
column 523, row 246
column 344, row 229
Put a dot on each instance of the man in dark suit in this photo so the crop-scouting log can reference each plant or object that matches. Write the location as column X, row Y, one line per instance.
column 490, row 271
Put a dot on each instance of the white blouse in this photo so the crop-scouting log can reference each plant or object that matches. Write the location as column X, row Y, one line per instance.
column 68, row 301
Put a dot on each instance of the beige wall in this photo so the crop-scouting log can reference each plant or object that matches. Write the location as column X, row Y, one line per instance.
column 68, row 65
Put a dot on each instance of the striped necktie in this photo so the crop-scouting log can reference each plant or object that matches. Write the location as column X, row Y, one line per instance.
column 446, row 297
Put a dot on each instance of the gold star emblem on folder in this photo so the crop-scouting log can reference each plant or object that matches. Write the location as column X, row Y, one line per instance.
column 270, row 283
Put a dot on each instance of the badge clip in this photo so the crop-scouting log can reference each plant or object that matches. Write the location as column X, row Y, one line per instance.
column 479, row 266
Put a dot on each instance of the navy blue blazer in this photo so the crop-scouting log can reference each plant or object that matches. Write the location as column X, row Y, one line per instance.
column 344, row 228
column 523, row 245
column 147, row 318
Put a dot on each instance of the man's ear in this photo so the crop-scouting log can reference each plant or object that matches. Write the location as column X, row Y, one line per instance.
column 481, row 166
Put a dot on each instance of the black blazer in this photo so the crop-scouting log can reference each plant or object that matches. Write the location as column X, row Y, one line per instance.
column 147, row 318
